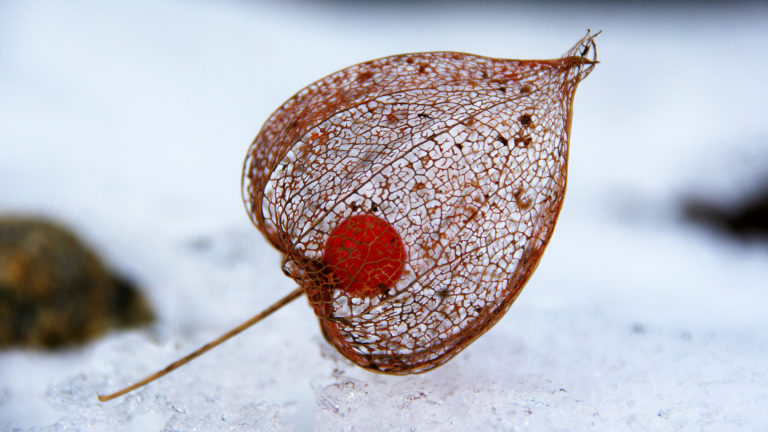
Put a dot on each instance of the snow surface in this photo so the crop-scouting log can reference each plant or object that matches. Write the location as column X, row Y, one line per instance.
column 130, row 121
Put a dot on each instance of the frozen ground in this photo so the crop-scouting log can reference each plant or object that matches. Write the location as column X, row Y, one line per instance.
column 130, row 122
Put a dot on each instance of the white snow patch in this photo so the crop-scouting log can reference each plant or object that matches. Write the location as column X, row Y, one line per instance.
column 130, row 121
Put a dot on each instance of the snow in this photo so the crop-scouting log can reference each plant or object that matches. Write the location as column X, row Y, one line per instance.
column 130, row 121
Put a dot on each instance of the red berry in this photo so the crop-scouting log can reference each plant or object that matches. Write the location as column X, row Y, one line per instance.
column 365, row 255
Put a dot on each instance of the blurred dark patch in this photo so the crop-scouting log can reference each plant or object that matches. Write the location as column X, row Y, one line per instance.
column 638, row 328
column 199, row 244
column 54, row 291
column 744, row 220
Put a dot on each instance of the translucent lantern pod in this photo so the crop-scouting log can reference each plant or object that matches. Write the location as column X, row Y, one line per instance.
column 413, row 196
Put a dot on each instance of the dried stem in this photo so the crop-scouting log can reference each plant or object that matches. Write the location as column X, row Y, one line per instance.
column 181, row 362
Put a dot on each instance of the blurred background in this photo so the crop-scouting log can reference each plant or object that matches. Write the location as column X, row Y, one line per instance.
column 129, row 121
